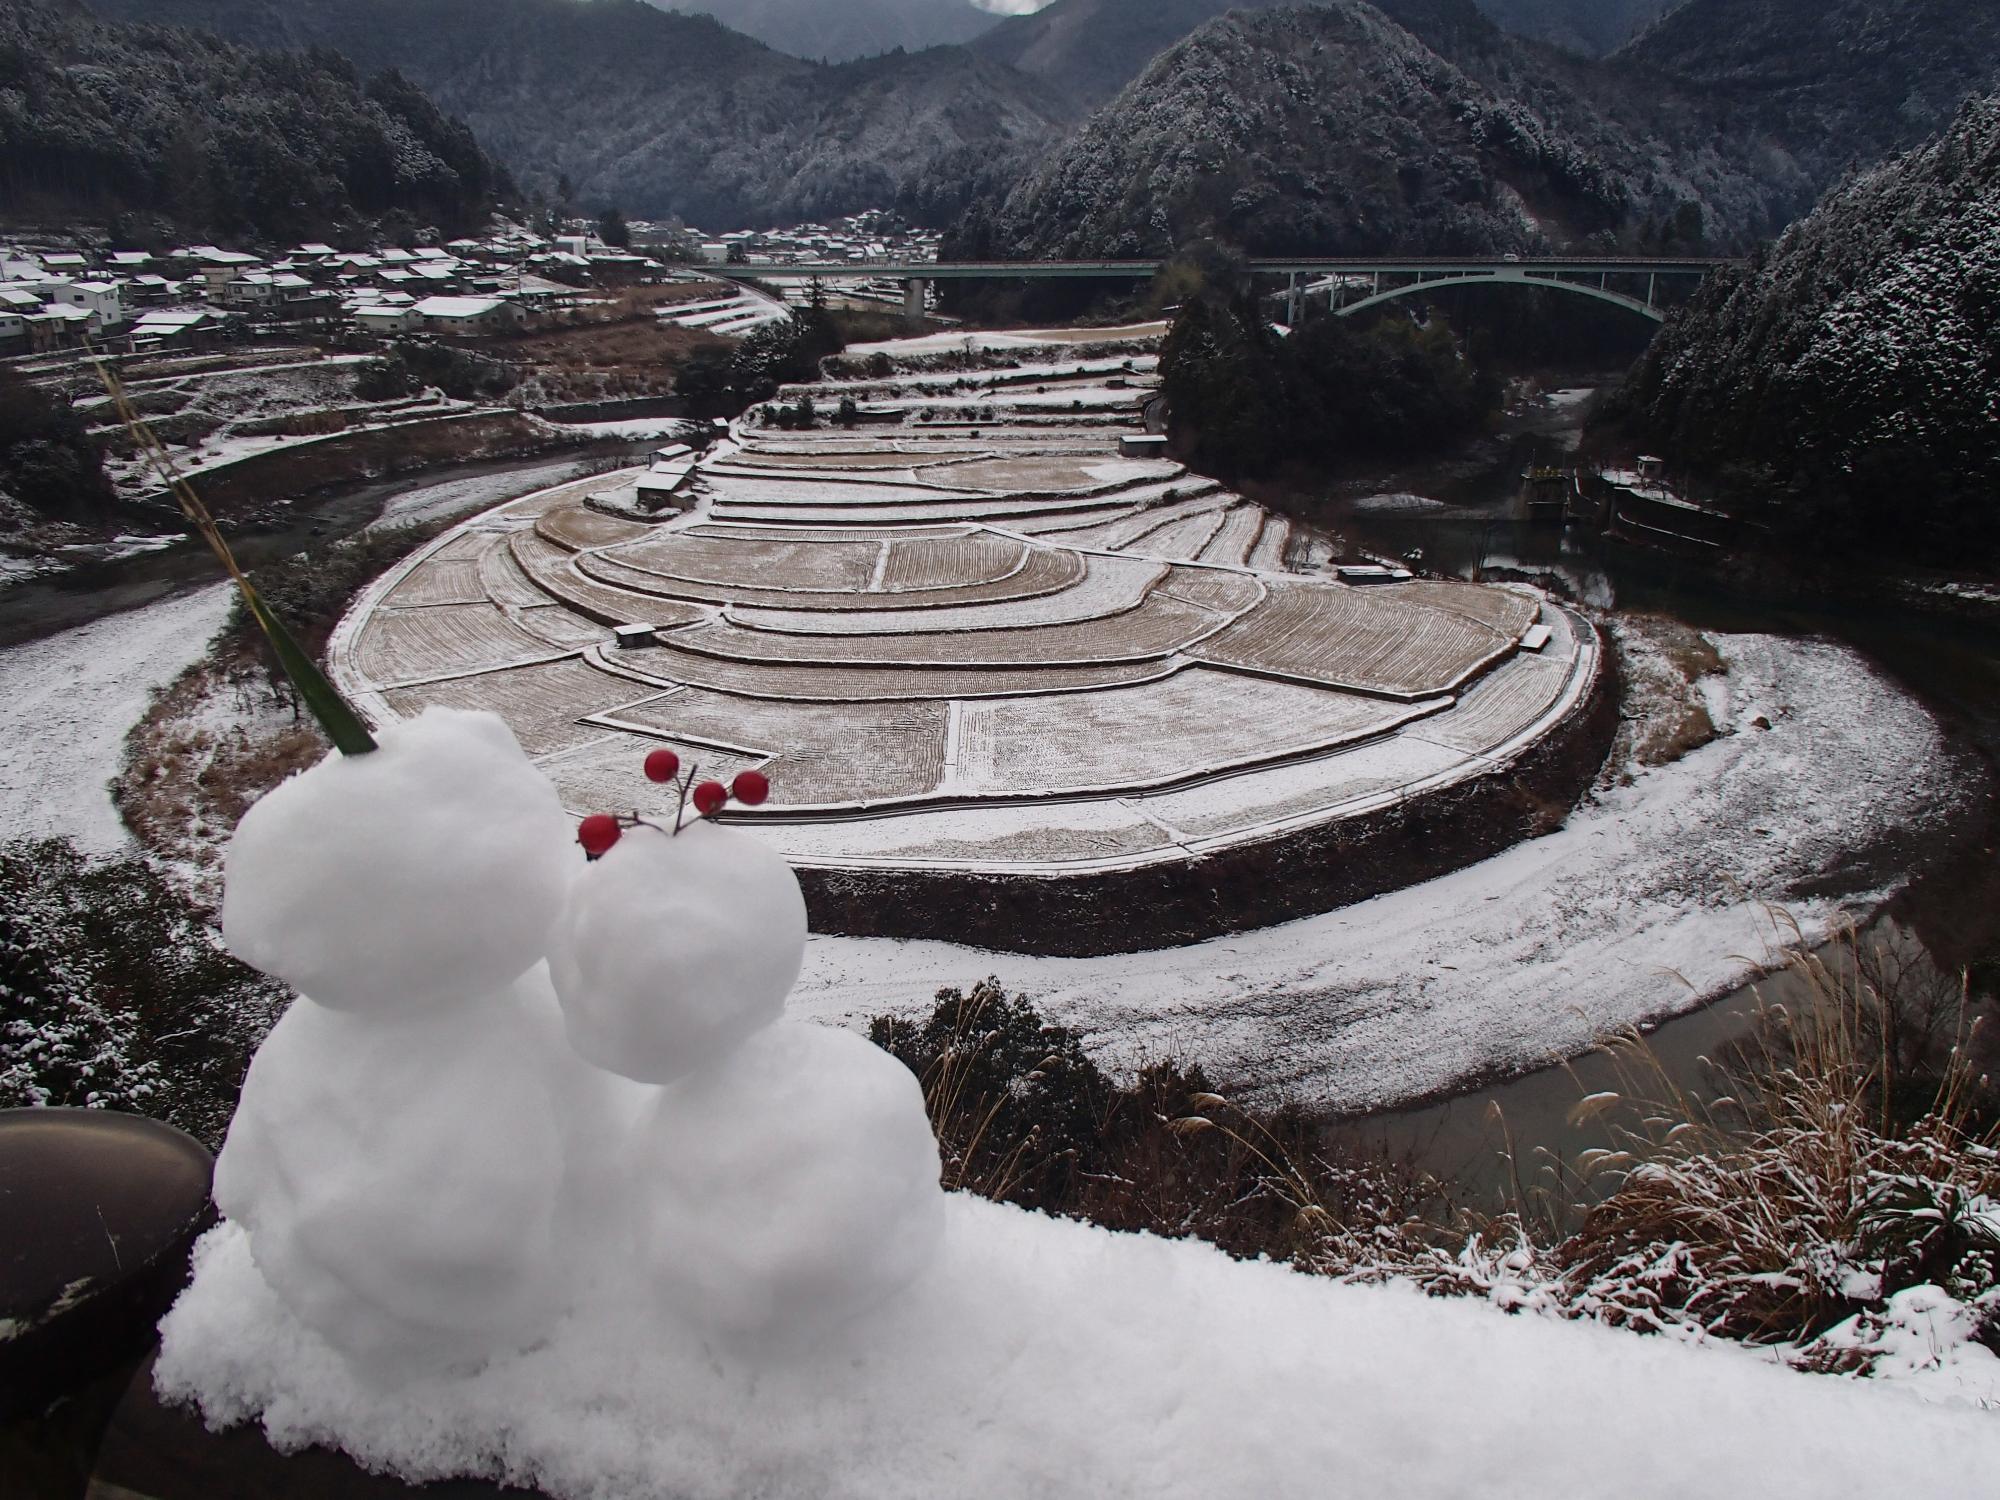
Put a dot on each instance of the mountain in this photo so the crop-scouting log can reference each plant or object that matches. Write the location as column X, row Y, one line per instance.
column 1829, row 83
column 665, row 114
column 1087, row 50
column 100, row 119
column 1860, row 358
column 1335, row 129
column 840, row 30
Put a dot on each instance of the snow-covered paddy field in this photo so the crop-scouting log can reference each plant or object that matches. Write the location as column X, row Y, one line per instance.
column 1652, row 898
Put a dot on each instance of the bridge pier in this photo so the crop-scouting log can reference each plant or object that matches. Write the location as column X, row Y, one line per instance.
column 915, row 293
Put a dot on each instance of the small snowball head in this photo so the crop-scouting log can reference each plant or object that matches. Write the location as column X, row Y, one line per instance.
column 709, row 797
column 750, row 787
column 662, row 765
column 597, row 833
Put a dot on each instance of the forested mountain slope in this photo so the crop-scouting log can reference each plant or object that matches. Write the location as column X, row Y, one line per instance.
column 1831, row 83
column 1851, row 375
column 98, row 119
column 1333, row 129
column 1087, row 50
column 670, row 114
column 1090, row 49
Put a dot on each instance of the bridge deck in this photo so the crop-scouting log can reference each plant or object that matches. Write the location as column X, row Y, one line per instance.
column 1302, row 266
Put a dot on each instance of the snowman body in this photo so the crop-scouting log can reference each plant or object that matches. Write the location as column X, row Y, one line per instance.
column 398, row 1154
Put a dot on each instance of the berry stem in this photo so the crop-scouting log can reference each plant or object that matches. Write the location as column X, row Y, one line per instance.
column 687, row 783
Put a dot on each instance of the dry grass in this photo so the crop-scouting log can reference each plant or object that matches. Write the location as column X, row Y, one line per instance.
column 1666, row 716
column 1751, row 1217
column 185, row 783
column 1853, row 1157
column 604, row 351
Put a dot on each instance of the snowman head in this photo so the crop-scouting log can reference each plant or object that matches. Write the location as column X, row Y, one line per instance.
column 420, row 875
column 674, row 948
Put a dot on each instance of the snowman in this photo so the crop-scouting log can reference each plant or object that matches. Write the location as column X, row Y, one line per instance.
column 397, row 1158
column 784, row 1180
column 446, row 1141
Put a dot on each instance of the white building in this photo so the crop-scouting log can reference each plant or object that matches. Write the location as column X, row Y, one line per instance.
column 469, row 316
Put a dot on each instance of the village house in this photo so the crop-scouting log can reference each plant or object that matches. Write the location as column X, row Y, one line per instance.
column 104, row 300
column 469, row 317
column 383, row 318
column 176, row 328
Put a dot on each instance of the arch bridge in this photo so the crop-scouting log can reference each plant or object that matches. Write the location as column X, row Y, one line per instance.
column 1351, row 284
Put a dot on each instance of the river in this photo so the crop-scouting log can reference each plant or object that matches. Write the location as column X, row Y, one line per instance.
column 1458, row 515
column 35, row 607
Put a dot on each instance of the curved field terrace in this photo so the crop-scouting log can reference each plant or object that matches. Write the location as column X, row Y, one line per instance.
column 1008, row 685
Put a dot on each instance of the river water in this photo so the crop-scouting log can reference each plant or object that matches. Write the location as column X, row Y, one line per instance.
column 1459, row 516
column 36, row 607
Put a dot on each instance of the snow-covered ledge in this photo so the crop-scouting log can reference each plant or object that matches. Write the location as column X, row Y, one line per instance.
column 1042, row 1357
column 540, row 1185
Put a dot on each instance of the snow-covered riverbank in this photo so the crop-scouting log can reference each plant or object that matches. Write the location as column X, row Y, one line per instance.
column 1650, row 900
column 66, row 702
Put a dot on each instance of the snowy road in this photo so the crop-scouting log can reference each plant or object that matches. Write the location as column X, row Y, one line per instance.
column 1646, row 903
column 66, row 702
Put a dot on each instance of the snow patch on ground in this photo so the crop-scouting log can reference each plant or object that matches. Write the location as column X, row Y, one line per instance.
column 67, row 701
column 1399, row 502
column 1021, row 338
column 1050, row 1358
column 638, row 428
column 463, row 497
column 1648, row 901
column 19, row 569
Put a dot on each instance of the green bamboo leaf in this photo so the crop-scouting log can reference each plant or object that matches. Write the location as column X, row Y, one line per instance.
column 342, row 725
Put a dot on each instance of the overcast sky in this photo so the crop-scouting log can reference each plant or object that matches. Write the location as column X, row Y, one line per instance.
column 1011, row 7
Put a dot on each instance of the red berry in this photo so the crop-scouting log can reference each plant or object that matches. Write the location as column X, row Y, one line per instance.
column 709, row 797
column 597, row 833
column 750, row 787
column 662, row 765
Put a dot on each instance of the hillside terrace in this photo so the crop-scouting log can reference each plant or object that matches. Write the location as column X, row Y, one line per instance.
column 1019, row 660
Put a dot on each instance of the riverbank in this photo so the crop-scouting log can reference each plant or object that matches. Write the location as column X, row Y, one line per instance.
column 1650, row 900
column 37, row 607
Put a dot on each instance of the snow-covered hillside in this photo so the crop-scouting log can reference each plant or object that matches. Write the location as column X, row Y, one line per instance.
column 1852, row 368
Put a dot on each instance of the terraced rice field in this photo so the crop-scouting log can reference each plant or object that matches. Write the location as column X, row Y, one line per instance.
column 1109, row 586
column 1194, row 723
column 972, row 638
column 1373, row 640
